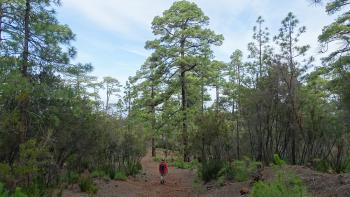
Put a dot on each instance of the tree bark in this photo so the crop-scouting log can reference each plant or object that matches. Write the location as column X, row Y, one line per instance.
column 153, row 111
column 24, row 102
column 184, row 112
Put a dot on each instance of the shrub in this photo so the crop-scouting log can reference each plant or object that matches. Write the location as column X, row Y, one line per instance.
column 157, row 159
column 19, row 193
column 210, row 170
column 3, row 192
column 133, row 168
column 120, row 176
column 86, row 185
column 285, row 185
column 179, row 163
column 227, row 172
column 71, row 177
column 35, row 189
column 321, row 165
column 277, row 160
column 99, row 174
column 240, row 170
column 347, row 169
column 5, row 171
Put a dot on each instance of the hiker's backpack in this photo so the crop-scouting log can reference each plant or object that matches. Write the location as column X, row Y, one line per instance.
column 162, row 168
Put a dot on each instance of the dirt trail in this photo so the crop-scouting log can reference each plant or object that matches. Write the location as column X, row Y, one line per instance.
column 178, row 183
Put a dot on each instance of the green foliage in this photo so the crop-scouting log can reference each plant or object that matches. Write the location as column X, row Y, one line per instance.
column 99, row 174
column 321, row 165
column 87, row 185
column 278, row 161
column 238, row 170
column 71, row 177
column 133, row 168
column 5, row 172
column 227, row 172
column 120, row 176
column 157, row 159
column 3, row 192
column 243, row 170
column 210, row 170
column 179, row 163
column 35, row 189
column 18, row 193
column 285, row 185
column 33, row 159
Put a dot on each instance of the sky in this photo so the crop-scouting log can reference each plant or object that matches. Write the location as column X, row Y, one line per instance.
column 111, row 34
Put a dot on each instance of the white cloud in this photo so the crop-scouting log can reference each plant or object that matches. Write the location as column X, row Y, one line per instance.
column 124, row 17
column 130, row 20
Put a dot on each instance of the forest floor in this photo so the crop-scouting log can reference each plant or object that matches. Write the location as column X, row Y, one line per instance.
column 180, row 183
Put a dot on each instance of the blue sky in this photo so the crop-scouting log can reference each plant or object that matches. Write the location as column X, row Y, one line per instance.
column 111, row 33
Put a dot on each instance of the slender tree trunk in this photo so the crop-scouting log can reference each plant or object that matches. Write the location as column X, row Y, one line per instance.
column 153, row 111
column 25, row 54
column 184, row 103
column 24, row 103
column 217, row 93
column 292, row 98
column 238, row 111
column 1, row 18
column 184, row 112
column 107, row 99
column 203, row 157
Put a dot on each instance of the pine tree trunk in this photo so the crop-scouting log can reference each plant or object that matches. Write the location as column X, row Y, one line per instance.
column 24, row 102
column 184, row 112
column 1, row 17
column 153, row 111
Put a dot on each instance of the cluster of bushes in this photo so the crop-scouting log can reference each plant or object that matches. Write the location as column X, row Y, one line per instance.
column 239, row 170
column 5, row 193
column 326, row 166
column 286, row 184
column 36, row 170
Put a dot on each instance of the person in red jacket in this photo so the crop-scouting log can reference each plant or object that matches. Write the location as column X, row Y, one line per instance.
column 163, row 170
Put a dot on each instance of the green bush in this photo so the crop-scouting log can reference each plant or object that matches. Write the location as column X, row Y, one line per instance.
column 347, row 169
column 5, row 171
column 3, row 192
column 277, row 160
column 210, row 170
column 179, row 163
column 221, row 180
column 240, row 170
column 71, row 178
column 227, row 171
column 157, row 159
column 86, row 185
column 18, row 192
column 99, row 174
column 120, row 176
column 35, row 189
column 285, row 185
column 133, row 168
column 321, row 165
